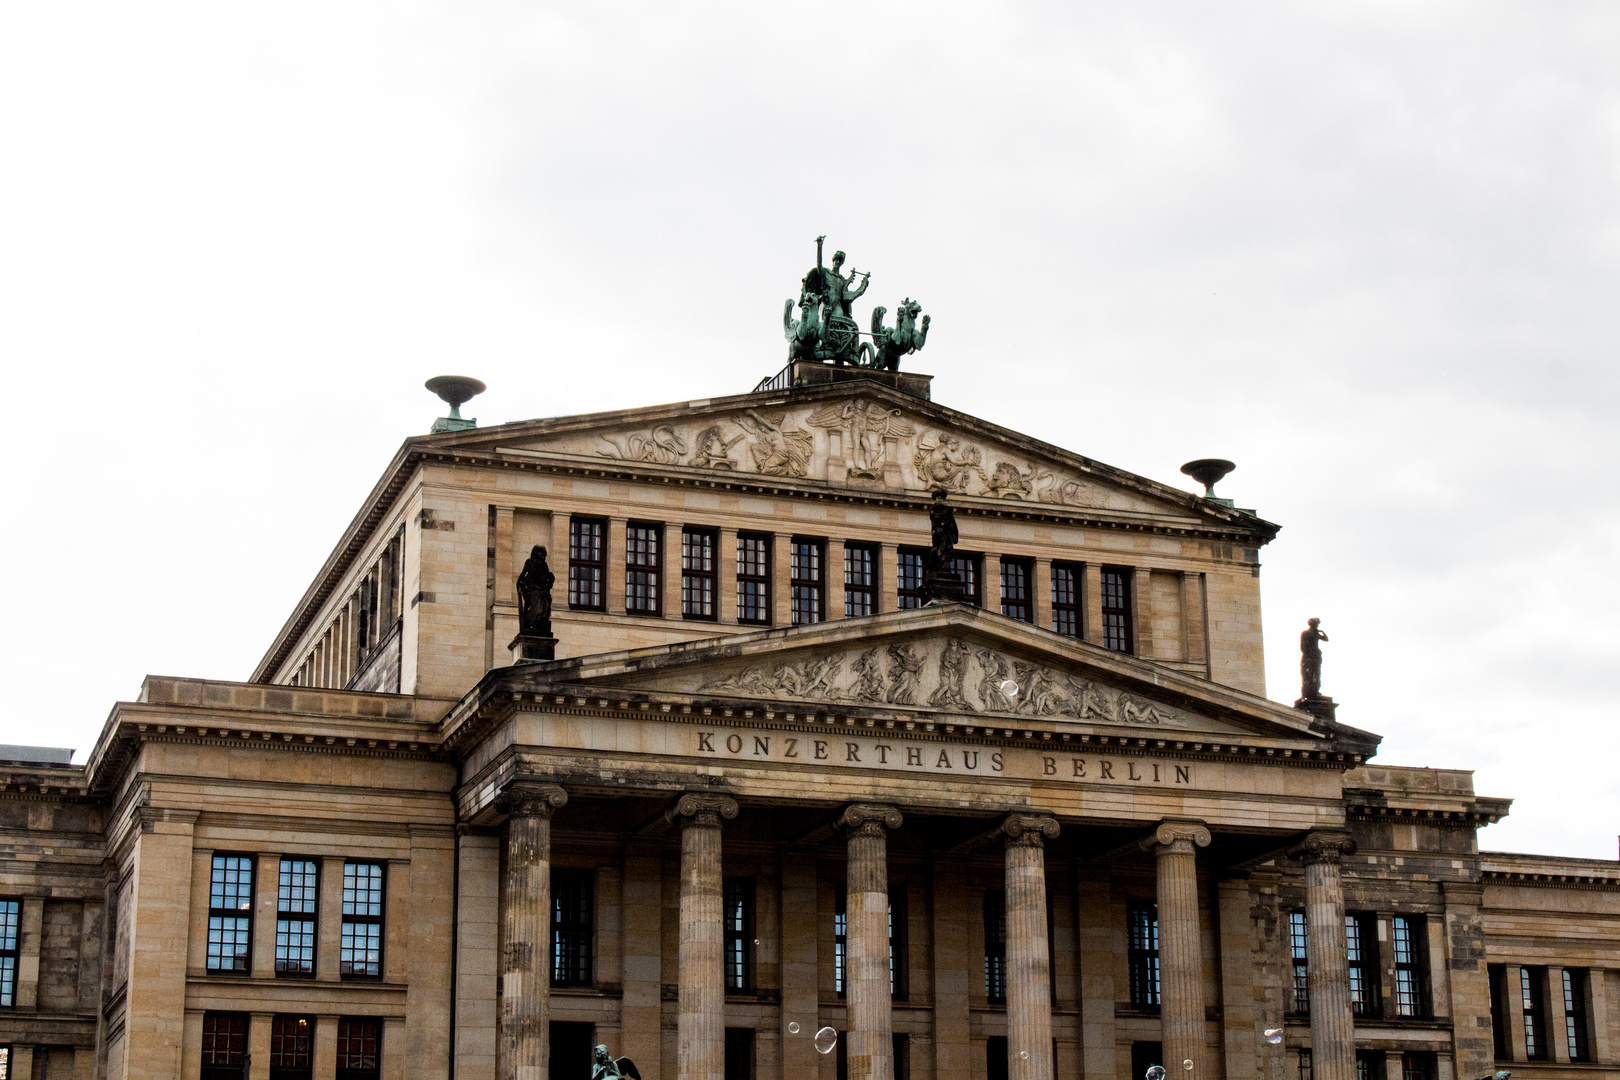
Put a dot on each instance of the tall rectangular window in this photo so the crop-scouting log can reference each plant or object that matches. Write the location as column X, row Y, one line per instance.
column 292, row 1047
column 572, row 905
column 224, row 1045
column 995, row 946
column 1531, row 981
column 1575, row 1014
column 1017, row 601
column 1419, row 1065
column 897, row 943
column 360, row 936
column 1360, row 938
column 1142, row 952
column 359, row 1048
column 587, row 564
column 1409, row 976
column 1300, row 999
column 643, row 568
column 1303, row 1058
column 297, row 894
column 966, row 569
column 753, row 578
column 739, row 1055
column 909, row 566
column 10, row 923
column 860, row 580
column 1066, row 599
column 807, row 582
column 1116, row 609
column 1497, row 976
column 739, row 934
column 230, row 914
column 1369, row 1065
column 840, row 942
column 698, row 564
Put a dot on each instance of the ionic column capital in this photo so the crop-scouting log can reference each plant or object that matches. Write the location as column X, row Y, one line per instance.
column 1177, row 836
column 699, row 808
column 1028, row 830
column 530, row 798
column 868, row 819
column 1324, row 846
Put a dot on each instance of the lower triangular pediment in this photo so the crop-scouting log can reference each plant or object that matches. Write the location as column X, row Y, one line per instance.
column 953, row 660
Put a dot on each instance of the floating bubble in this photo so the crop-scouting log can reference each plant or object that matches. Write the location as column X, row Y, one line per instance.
column 756, row 943
column 1274, row 1035
column 1186, row 1063
column 1009, row 688
column 1024, row 1054
column 1155, row 1072
column 826, row 1040
column 793, row 1029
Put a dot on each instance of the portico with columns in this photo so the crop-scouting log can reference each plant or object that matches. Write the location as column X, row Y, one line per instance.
column 919, row 879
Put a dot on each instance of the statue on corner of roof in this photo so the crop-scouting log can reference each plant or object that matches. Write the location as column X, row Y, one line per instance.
column 603, row 1067
column 534, row 595
column 1310, row 661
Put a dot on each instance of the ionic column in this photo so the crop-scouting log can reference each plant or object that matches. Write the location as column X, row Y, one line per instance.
column 1333, row 1027
column 526, row 926
column 1029, row 966
column 866, row 949
column 701, row 1042
column 1181, row 953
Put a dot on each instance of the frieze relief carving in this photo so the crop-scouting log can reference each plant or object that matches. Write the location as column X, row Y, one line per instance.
column 948, row 675
column 857, row 441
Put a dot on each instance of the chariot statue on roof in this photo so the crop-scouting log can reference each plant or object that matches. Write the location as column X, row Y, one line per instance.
column 826, row 330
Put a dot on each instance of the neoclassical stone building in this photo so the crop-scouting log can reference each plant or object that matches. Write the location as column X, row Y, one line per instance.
column 1056, row 830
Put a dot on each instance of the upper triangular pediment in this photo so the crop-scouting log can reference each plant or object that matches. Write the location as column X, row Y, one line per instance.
column 856, row 435
column 955, row 661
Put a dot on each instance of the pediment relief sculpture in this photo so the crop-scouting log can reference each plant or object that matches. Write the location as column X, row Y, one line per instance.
column 858, row 440
column 951, row 675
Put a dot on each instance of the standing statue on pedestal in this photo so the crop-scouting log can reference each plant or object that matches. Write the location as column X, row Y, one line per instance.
column 826, row 330
column 939, row 582
column 534, row 594
column 1310, row 661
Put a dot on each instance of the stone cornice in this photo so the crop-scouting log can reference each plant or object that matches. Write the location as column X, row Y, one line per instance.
column 1508, row 868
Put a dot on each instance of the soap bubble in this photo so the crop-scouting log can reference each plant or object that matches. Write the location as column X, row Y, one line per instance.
column 1155, row 1072
column 826, row 1040
column 1024, row 1054
column 793, row 1028
column 1186, row 1063
column 756, row 943
column 1274, row 1036
column 1009, row 688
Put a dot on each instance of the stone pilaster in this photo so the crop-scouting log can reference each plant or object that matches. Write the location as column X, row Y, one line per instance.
column 526, row 923
column 1029, row 967
column 1333, row 1029
column 866, row 952
column 1181, row 955
column 701, row 1021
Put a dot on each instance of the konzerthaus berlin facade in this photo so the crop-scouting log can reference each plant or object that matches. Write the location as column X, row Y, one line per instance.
column 1055, row 830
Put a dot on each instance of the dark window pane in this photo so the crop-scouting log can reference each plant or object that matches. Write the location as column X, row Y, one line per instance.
column 807, row 582
column 359, row 1048
column 995, row 946
column 909, row 578
column 643, row 569
column 572, row 906
column 754, row 579
column 698, row 565
column 738, row 916
column 860, row 580
column 1142, row 952
column 1297, row 951
column 224, row 1045
column 1066, row 599
column 1116, row 610
column 1016, row 598
column 587, row 563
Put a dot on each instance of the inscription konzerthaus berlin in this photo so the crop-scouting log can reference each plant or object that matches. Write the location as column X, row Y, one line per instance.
column 693, row 729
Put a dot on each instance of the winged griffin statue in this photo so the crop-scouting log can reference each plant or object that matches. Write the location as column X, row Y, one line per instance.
column 826, row 331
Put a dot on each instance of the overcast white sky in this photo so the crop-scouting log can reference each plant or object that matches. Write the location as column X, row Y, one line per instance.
column 1369, row 251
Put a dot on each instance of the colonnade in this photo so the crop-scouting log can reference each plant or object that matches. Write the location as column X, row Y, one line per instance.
column 701, row 976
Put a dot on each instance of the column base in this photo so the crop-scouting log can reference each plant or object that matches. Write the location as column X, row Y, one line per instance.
column 533, row 648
